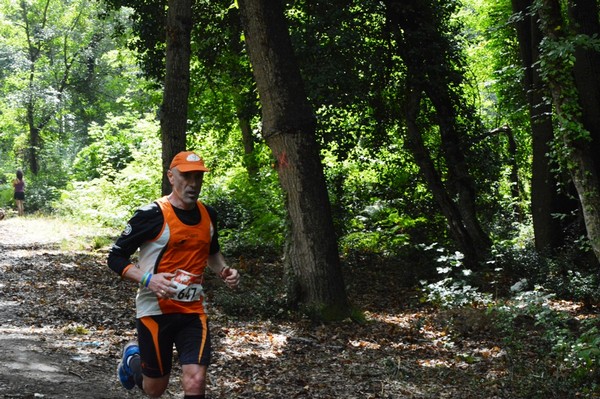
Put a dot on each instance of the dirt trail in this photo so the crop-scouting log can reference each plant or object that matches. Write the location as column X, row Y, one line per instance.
column 64, row 317
column 45, row 353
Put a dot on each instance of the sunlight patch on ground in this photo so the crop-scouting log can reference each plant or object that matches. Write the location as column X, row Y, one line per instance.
column 565, row 306
column 434, row 363
column 46, row 231
column 42, row 368
column 404, row 320
column 242, row 342
column 365, row 344
column 438, row 350
column 11, row 332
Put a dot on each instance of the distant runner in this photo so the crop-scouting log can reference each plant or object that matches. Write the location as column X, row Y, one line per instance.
column 19, row 196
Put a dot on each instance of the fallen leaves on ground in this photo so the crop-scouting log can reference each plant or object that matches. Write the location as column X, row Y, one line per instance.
column 403, row 349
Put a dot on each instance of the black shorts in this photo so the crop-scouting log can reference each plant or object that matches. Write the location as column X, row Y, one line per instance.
column 157, row 335
column 19, row 195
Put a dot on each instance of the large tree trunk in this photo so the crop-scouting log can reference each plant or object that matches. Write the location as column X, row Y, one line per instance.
column 587, row 78
column 577, row 156
column 587, row 75
column 174, row 112
column 546, row 198
column 311, row 258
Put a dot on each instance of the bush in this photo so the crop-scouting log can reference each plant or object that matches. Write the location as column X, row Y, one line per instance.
column 267, row 300
column 6, row 196
column 251, row 212
column 563, row 274
column 379, row 229
column 583, row 356
column 40, row 195
column 111, row 200
column 454, row 287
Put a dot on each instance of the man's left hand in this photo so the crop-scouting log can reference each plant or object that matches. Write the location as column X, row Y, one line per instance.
column 231, row 277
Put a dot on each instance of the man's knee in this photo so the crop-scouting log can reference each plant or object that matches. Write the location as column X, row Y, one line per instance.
column 194, row 379
column 194, row 383
column 155, row 387
column 154, row 392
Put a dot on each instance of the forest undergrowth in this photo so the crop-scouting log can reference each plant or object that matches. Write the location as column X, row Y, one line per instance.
column 66, row 308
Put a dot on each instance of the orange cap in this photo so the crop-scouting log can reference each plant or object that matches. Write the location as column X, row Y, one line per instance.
column 188, row 161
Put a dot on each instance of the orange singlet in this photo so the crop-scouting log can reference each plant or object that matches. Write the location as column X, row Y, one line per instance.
column 177, row 247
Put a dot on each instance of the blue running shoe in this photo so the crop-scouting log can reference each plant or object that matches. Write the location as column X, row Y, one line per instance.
column 124, row 371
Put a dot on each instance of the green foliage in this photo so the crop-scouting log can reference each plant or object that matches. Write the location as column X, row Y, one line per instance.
column 580, row 285
column 449, row 292
column 534, row 304
column 112, row 146
column 454, row 288
column 110, row 200
column 148, row 36
column 529, row 321
column 78, row 74
column 557, row 60
column 379, row 229
column 566, row 273
column 41, row 193
column 570, row 345
column 558, row 55
column 250, row 209
column 369, row 214
column 583, row 355
column 6, row 195
column 109, row 203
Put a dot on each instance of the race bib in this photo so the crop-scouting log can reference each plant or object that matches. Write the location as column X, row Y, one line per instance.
column 188, row 286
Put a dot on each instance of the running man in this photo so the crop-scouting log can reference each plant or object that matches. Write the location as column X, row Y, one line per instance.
column 177, row 237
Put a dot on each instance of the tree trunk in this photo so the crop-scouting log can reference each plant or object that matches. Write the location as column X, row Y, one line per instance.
column 248, row 140
column 34, row 50
column 311, row 258
column 515, row 183
column 34, row 145
column 174, row 110
column 425, row 51
column 587, row 79
column 516, row 188
column 587, row 76
column 546, row 198
column 244, row 98
column 434, row 182
column 459, row 178
column 576, row 155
